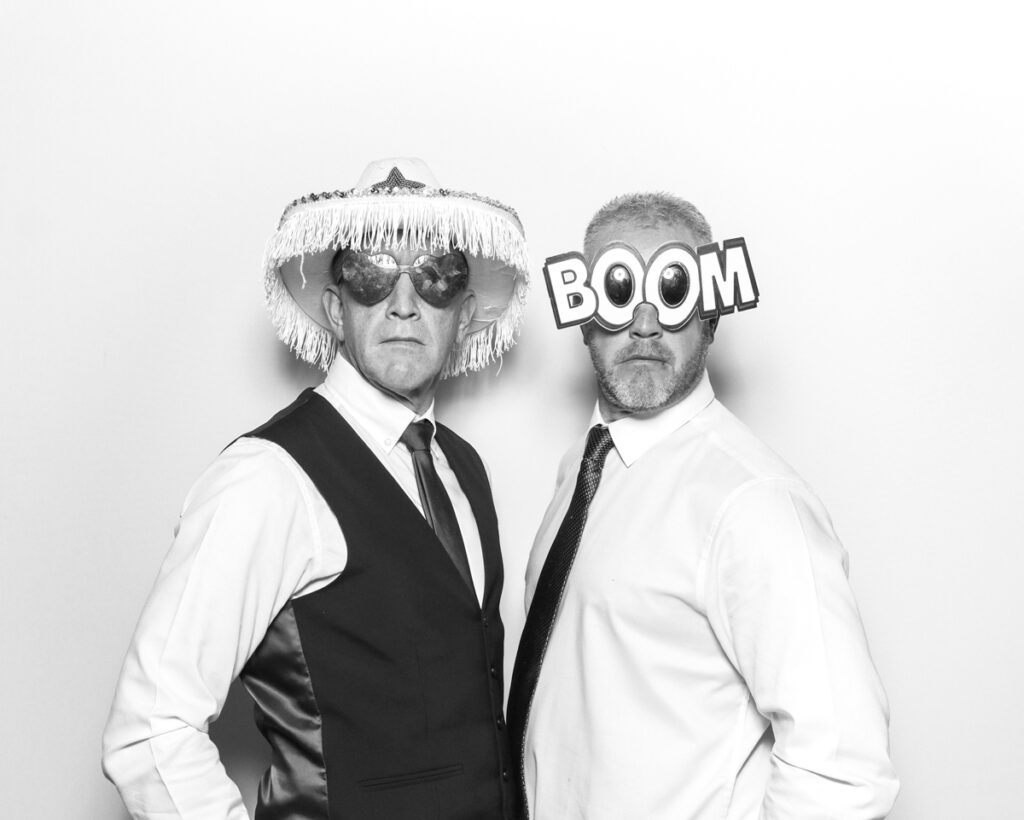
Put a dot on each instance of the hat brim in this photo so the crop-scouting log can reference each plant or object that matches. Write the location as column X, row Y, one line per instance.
column 298, row 258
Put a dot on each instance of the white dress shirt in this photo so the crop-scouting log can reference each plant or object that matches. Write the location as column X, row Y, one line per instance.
column 254, row 533
column 708, row 604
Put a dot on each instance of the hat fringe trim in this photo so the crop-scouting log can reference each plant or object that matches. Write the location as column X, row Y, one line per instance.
column 304, row 337
column 397, row 222
column 487, row 345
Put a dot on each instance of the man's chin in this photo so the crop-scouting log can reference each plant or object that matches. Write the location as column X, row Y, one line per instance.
column 638, row 394
column 409, row 372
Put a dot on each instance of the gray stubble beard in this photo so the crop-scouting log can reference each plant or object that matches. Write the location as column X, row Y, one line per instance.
column 642, row 392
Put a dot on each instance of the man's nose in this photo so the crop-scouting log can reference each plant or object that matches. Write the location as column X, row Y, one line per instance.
column 403, row 301
column 645, row 322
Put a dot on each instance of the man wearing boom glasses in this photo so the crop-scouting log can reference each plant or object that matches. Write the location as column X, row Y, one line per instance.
column 692, row 649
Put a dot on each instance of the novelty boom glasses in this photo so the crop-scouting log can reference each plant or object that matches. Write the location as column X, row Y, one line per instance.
column 677, row 280
column 371, row 277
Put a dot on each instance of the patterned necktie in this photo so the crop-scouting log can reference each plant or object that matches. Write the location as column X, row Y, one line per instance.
column 437, row 506
column 548, row 595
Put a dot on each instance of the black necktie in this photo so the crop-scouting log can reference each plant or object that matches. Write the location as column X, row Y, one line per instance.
column 550, row 586
column 437, row 506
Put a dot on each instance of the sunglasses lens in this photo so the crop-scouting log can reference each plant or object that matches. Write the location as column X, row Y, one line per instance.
column 618, row 284
column 439, row 280
column 674, row 283
column 368, row 281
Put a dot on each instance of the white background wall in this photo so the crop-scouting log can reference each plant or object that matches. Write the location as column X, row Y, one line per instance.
column 871, row 156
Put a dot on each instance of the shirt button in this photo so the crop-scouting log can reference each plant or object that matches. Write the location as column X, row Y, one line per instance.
column 388, row 442
column 504, row 775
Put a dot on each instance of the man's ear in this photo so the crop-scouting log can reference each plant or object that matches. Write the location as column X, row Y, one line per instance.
column 712, row 327
column 466, row 312
column 332, row 307
column 585, row 330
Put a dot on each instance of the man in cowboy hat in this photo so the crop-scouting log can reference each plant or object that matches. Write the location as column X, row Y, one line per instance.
column 692, row 648
column 343, row 559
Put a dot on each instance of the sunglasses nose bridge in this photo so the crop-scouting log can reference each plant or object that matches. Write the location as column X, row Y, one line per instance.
column 402, row 301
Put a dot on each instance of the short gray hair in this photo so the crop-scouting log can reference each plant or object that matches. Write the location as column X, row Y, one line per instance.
column 648, row 210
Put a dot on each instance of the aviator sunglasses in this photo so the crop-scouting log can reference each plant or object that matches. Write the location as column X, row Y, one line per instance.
column 371, row 277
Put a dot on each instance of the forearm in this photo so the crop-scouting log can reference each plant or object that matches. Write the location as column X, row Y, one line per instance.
column 785, row 613
column 867, row 792
column 176, row 775
column 156, row 746
column 244, row 544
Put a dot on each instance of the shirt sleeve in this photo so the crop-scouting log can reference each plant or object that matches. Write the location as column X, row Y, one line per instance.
column 247, row 540
column 781, row 605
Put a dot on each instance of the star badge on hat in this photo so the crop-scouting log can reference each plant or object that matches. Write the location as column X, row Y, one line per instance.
column 395, row 180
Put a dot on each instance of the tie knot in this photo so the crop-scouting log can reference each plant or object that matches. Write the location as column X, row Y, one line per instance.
column 599, row 443
column 417, row 435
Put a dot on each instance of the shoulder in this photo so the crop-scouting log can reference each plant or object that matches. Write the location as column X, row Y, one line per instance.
column 294, row 413
column 250, row 471
column 461, row 453
column 253, row 510
column 738, row 451
column 452, row 442
column 741, row 477
column 446, row 435
column 719, row 455
column 764, row 510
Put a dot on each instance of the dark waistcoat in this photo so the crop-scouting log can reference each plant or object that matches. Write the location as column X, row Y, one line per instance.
column 381, row 694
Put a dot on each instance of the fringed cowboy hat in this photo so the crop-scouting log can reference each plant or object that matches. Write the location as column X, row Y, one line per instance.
column 397, row 203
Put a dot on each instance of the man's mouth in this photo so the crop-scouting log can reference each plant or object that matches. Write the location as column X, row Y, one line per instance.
column 643, row 354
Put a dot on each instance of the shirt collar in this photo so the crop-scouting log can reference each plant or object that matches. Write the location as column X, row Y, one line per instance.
column 634, row 436
column 381, row 416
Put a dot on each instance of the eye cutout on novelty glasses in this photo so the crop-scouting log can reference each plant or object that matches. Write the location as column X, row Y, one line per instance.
column 677, row 280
